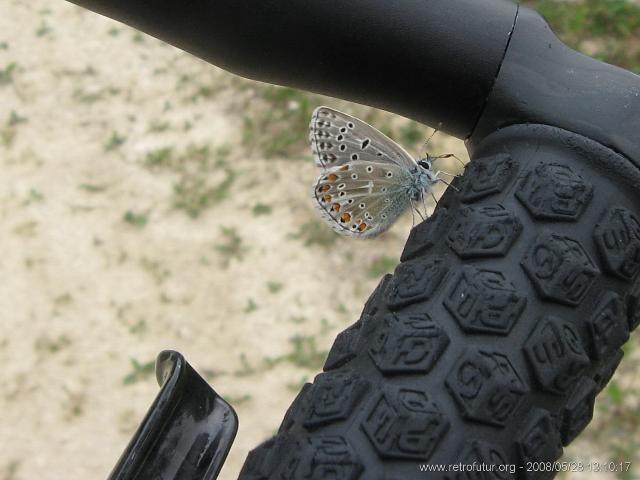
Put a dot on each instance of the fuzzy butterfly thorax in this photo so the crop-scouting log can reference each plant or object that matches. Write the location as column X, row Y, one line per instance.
column 368, row 180
column 423, row 178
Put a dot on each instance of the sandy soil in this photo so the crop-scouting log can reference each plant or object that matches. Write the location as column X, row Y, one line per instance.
column 101, row 266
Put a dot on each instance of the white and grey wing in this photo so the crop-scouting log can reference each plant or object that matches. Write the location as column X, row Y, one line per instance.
column 362, row 199
column 337, row 138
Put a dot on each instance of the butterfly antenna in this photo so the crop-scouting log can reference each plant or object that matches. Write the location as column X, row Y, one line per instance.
column 436, row 130
column 451, row 155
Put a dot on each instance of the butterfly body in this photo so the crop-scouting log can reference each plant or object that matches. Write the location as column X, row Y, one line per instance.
column 368, row 180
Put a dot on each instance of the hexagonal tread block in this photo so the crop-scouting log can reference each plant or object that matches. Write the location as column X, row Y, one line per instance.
column 618, row 239
column 608, row 326
column 408, row 343
column 344, row 347
column 332, row 397
column 415, row 281
column 425, row 235
column 487, row 176
column 556, row 355
column 554, row 192
column 559, row 268
column 485, row 386
column 405, row 424
column 376, row 299
column 295, row 410
column 319, row 457
column 539, row 442
column 484, row 301
column 487, row 231
column 578, row 411
column 607, row 369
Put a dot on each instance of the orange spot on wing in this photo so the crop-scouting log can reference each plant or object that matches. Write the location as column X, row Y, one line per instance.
column 324, row 188
column 345, row 217
column 344, row 168
column 326, row 198
column 362, row 227
column 335, row 207
column 332, row 177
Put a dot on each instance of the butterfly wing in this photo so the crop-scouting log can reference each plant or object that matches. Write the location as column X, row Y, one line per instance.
column 337, row 138
column 362, row 199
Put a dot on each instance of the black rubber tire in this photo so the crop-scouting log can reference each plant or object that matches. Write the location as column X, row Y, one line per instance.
column 493, row 337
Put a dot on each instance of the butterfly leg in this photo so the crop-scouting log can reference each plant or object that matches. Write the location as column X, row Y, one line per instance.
column 434, row 199
column 448, row 184
column 415, row 209
column 424, row 206
column 446, row 173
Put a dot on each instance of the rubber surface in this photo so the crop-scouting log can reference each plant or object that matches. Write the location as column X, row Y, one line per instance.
column 493, row 337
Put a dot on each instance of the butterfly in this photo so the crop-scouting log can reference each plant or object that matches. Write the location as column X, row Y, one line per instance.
column 367, row 179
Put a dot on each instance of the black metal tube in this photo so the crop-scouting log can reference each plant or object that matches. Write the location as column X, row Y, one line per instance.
column 543, row 81
column 431, row 60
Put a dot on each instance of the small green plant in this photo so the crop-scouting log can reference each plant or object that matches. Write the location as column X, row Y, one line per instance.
column 6, row 73
column 43, row 29
column 160, row 157
column 279, row 121
column 138, row 37
column 274, row 287
column 139, row 371
column 136, row 219
column 245, row 369
column 92, row 188
column 64, row 299
column 193, row 193
column 154, row 268
column 15, row 119
column 231, row 245
column 411, row 134
column 46, row 344
column 315, row 232
column 297, row 386
column 114, row 142
column 138, row 328
column 304, row 353
column 158, row 126
column 251, row 306
column 381, row 266
column 261, row 209
column 235, row 401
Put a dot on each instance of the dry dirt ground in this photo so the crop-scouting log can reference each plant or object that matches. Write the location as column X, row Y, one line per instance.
column 135, row 218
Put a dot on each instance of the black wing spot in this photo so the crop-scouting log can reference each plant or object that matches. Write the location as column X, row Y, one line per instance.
column 366, row 143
